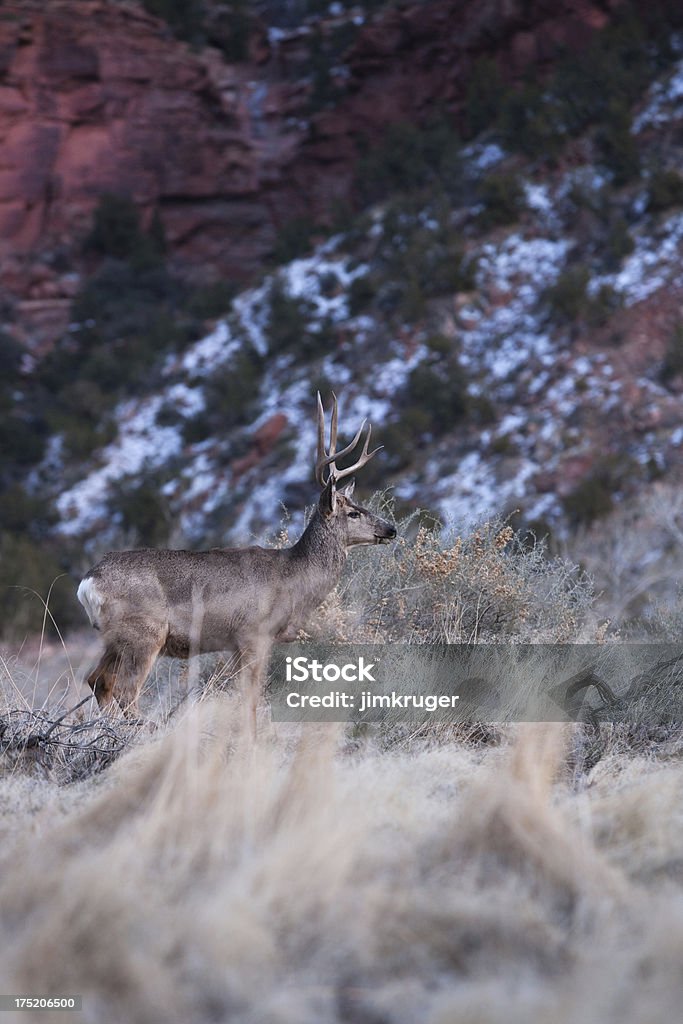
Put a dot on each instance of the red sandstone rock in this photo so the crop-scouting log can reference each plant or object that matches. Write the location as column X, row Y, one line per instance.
column 97, row 95
column 269, row 432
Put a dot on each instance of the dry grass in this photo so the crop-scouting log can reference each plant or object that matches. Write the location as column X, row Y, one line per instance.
column 202, row 879
column 528, row 873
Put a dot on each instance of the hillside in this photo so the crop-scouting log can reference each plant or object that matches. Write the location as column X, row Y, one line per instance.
column 493, row 280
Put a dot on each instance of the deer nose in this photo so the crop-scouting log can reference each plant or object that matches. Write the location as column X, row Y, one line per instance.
column 390, row 532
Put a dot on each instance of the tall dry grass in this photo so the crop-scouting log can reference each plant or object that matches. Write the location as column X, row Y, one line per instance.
column 530, row 873
column 205, row 879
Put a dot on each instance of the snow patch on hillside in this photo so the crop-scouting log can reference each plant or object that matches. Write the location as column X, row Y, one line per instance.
column 653, row 264
column 517, row 269
column 663, row 104
column 474, row 491
column 141, row 444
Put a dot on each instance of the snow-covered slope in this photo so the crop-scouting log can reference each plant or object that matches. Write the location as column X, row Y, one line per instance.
column 564, row 398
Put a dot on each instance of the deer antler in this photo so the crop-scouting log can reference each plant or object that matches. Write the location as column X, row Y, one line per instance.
column 328, row 457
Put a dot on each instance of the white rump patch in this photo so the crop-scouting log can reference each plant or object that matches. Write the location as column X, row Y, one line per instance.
column 91, row 599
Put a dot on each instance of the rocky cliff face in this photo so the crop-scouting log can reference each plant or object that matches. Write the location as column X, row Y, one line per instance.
column 98, row 96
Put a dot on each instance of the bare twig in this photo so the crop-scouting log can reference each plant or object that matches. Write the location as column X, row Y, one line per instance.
column 69, row 750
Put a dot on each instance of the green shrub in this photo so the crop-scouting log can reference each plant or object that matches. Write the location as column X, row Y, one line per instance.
column 142, row 509
column 288, row 319
column 503, row 445
column 11, row 354
column 433, row 401
column 530, row 123
column 20, row 510
column 186, row 17
column 594, row 496
column 324, row 91
column 602, row 305
column 210, row 301
column 590, row 499
column 613, row 70
column 672, row 365
column 117, row 233
column 593, row 86
column 128, row 318
column 665, row 190
column 439, row 344
column 169, row 416
column 291, row 327
column 28, row 570
column 231, row 392
column 438, row 390
column 294, row 239
column 618, row 243
column 198, row 428
column 419, row 256
column 227, row 25
column 617, row 145
column 400, row 441
column 503, row 200
column 569, row 301
column 82, row 436
column 409, row 159
column 116, row 227
column 483, row 96
column 567, row 297
column 228, row 28
column 23, row 436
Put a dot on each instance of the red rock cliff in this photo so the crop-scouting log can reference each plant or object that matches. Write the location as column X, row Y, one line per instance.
column 97, row 95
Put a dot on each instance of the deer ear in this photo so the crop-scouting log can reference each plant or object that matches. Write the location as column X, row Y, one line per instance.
column 327, row 502
column 349, row 489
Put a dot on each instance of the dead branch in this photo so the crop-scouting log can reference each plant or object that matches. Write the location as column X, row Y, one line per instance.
column 64, row 748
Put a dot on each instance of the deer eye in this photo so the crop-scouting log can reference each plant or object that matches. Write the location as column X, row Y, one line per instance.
column 354, row 515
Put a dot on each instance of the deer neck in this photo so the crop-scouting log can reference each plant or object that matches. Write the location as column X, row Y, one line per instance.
column 319, row 555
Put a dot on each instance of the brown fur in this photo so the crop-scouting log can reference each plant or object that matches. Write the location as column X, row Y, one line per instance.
column 179, row 603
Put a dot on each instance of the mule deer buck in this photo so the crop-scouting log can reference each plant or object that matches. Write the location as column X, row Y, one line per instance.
column 150, row 602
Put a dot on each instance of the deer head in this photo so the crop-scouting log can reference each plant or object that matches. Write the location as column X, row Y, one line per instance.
column 357, row 525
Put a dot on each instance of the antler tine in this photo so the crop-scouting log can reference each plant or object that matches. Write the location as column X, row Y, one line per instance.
column 330, row 460
column 319, row 463
column 333, row 426
column 328, row 457
column 365, row 455
column 331, row 451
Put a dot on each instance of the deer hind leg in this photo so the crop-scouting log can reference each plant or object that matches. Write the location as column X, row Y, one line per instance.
column 122, row 669
column 253, row 662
